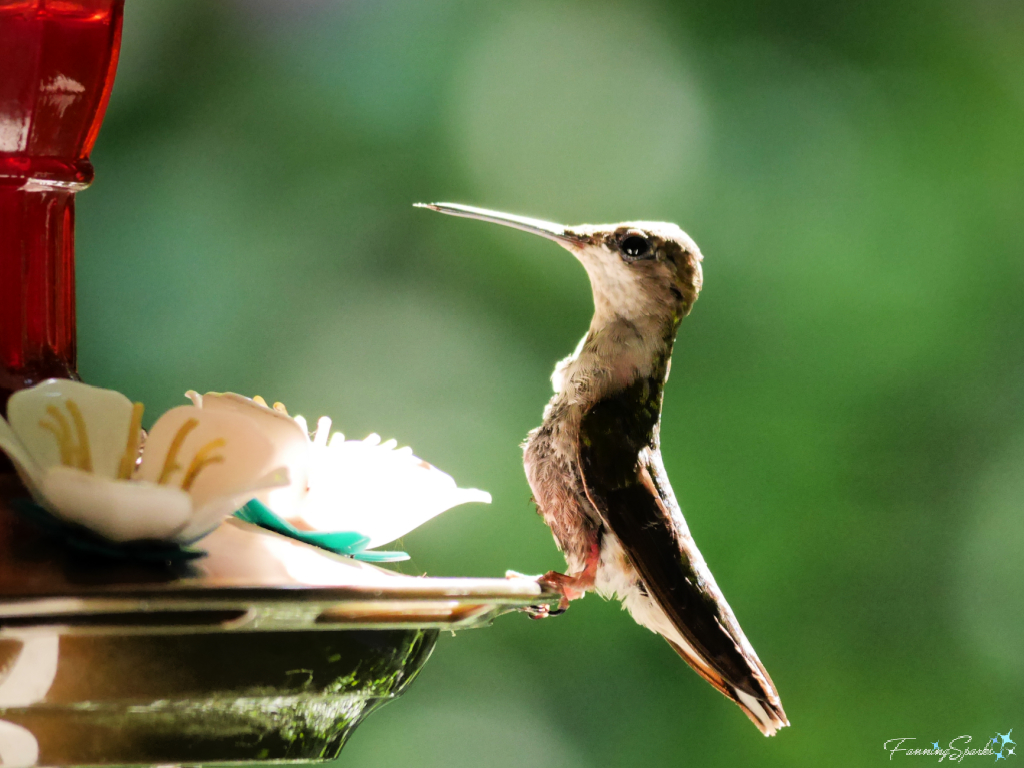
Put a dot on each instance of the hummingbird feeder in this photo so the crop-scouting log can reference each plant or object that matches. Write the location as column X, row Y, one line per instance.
column 260, row 645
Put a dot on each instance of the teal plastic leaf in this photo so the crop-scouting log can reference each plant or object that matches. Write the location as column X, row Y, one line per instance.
column 340, row 542
column 381, row 556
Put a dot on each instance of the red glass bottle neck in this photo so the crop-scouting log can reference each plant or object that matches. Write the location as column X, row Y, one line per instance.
column 37, row 286
column 57, row 64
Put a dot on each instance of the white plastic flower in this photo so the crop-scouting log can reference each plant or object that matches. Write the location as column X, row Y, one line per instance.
column 77, row 448
column 363, row 486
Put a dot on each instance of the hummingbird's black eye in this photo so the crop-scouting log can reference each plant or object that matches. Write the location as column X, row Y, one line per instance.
column 635, row 246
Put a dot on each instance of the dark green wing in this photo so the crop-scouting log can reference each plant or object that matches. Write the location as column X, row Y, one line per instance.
column 622, row 473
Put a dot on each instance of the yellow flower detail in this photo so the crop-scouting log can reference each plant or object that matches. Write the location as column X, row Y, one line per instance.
column 171, row 464
column 131, row 451
column 202, row 460
column 199, row 462
column 73, row 453
column 278, row 406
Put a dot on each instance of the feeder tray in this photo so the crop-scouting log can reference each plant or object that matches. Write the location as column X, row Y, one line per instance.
column 266, row 649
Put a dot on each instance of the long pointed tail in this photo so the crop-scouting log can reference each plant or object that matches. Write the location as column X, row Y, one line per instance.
column 765, row 710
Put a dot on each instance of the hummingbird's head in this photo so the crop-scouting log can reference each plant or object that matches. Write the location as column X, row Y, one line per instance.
column 638, row 269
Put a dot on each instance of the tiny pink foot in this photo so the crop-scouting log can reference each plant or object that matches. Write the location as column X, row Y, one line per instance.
column 569, row 587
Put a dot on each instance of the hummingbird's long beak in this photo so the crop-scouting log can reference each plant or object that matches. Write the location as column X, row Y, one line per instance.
column 561, row 235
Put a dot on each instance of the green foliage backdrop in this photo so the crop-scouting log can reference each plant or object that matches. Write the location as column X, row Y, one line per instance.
column 845, row 421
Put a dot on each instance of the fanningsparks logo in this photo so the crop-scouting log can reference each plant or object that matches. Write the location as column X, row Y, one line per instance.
column 1000, row 746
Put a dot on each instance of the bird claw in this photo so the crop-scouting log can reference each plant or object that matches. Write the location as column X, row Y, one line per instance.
column 555, row 581
column 568, row 587
column 544, row 611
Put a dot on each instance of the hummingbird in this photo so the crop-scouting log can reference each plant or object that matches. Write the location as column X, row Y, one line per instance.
column 594, row 464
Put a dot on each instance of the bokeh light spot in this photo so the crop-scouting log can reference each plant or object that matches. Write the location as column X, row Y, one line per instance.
column 577, row 110
column 992, row 569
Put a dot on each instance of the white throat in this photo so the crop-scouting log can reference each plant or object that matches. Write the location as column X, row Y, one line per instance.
column 614, row 353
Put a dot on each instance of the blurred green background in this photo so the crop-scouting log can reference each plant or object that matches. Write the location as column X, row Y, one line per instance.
column 845, row 421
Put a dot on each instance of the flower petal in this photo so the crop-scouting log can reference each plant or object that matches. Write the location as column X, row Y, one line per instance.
column 206, row 452
column 28, row 470
column 119, row 510
column 214, row 510
column 94, row 423
column 380, row 492
column 290, row 441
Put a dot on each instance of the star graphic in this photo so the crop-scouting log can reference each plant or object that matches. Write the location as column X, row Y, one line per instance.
column 1006, row 737
column 999, row 756
column 935, row 745
column 1010, row 751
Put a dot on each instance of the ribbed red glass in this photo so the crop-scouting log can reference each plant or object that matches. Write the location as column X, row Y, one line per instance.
column 57, row 63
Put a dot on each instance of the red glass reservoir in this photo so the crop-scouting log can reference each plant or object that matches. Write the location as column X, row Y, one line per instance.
column 57, row 63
